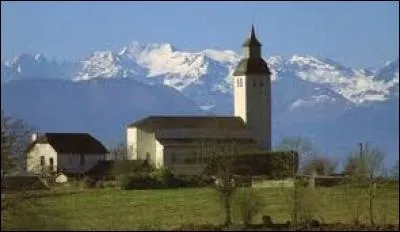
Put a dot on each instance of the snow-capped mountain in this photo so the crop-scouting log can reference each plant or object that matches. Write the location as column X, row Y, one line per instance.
column 309, row 93
column 27, row 66
column 205, row 75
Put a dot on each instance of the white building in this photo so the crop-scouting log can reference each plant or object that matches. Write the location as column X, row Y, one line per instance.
column 73, row 153
column 176, row 141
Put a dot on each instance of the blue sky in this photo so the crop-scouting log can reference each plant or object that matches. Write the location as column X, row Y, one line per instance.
column 358, row 34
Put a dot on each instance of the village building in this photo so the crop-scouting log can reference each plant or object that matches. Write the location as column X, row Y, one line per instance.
column 72, row 153
column 177, row 142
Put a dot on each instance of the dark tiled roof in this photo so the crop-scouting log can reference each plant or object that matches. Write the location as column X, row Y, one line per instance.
column 72, row 143
column 251, row 66
column 192, row 122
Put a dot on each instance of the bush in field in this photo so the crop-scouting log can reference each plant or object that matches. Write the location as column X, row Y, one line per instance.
column 137, row 181
column 163, row 177
column 249, row 204
column 88, row 182
column 192, row 181
column 99, row 184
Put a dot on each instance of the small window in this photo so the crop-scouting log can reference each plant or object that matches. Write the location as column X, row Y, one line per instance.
column 51, row 161
column 147, row 156
column 261, row 83
column 42, row 161
column 237, row 83
column 254, row 83
column 82, row 160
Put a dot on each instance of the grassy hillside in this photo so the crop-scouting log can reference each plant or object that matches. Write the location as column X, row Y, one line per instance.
column 114, row 209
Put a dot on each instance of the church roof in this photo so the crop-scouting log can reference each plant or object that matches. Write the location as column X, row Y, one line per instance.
column 251, row 66
column 189, row 122
column 72, row 143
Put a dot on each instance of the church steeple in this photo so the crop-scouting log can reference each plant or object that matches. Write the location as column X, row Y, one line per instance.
column 252, row 62
column 252, row 40
column 252, row 91
column 252, row 47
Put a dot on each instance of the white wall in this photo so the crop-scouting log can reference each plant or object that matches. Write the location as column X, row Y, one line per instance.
column 253, row 105
column 71, row 162
column 159, row 154
column 131, row 143
column 146, row 143
column 33, row 157
column 240, row 102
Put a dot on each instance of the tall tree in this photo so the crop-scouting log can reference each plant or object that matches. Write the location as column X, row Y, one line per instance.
column 220, row 157
column 15, row 136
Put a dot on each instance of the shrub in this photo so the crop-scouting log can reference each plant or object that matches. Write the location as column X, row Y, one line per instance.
column 99, row 184
column 137, row 181
column 88, row 182
column 163, row 177
column 192, row 181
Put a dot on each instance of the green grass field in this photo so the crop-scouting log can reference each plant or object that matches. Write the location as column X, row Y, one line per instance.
column 114, row 209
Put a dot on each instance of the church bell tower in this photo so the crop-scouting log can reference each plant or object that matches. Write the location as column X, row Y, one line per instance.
column 252, row 91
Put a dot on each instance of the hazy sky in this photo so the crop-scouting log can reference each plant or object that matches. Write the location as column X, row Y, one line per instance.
column 358, row 34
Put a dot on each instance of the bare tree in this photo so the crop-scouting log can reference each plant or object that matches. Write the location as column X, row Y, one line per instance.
column 220, row 157
column 321, row 165
column 364, row 167
column 15, row 136
column 119, row 152
column 394, row 171
column 303, row 146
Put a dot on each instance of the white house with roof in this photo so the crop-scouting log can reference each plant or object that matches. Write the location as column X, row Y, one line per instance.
column 175, row 141
column 73, row 153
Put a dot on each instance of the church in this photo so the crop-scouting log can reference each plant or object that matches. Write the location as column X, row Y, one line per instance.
column 177, row 142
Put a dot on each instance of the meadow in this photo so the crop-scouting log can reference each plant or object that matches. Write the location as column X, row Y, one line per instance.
column 167, row 209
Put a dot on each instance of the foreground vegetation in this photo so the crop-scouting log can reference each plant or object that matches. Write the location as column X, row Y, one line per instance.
column 115, row 209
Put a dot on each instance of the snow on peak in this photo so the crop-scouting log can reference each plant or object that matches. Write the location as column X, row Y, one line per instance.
column 226, row 56
column 40, row 57
column 103, row 64
column 209, row 71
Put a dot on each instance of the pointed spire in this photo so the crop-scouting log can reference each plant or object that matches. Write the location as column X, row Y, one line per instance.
column 252, row 40
column 253, row 33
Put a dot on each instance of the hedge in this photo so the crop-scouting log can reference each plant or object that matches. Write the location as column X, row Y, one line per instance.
column 273, row 165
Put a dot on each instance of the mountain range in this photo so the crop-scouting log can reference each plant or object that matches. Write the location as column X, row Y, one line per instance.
column 333, row 105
